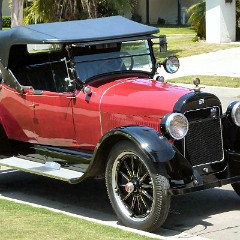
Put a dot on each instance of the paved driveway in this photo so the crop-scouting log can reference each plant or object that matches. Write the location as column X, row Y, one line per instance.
column 212, row 214
column 220, row 63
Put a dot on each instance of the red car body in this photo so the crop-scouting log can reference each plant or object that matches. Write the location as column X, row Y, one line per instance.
column 123, row 102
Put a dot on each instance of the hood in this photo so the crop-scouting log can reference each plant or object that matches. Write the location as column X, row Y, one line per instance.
column 137, row 101
column 141, row 97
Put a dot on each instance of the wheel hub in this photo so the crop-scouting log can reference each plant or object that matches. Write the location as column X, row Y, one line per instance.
column 129, row 187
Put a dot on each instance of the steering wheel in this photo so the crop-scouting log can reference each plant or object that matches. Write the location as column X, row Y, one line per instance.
column 132, row 60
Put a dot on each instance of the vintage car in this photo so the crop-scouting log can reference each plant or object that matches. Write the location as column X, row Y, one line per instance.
column 83, row 99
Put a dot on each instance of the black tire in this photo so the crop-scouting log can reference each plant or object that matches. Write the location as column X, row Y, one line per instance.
column 236, row 188
column 136, row 188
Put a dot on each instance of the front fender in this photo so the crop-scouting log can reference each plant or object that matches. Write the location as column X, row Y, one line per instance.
column 153, row 144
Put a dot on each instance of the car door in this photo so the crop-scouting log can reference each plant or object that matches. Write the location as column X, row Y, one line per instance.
column 17, row 115
column 53, row 118
column 52, row 104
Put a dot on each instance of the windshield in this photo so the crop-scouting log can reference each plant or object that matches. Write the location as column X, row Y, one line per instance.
column 115, row 57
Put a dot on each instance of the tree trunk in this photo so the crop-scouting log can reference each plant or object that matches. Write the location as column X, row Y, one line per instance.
column 90, row 8
column 17, row 13
column 1, row 14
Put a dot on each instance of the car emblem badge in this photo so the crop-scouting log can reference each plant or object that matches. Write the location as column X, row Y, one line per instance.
column 214, row 112
column 201, row 101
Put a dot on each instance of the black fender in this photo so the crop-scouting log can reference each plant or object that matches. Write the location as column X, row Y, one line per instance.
column 152, row 143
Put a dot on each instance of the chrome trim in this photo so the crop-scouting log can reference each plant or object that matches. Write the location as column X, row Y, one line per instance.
column 169, row 119
column 233, row 111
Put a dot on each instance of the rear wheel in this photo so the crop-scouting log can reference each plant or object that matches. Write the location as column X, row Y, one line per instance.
column 236, row 187
column 136, row 188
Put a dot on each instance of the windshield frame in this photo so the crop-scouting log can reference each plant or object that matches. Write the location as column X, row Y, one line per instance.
column 149, row 53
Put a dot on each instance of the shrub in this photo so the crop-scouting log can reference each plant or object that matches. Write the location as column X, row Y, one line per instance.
column 6, row 21
column 136, row 18
column 161, row 21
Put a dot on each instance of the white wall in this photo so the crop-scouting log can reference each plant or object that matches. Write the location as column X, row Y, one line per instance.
column 5, row 8
column 220, row 21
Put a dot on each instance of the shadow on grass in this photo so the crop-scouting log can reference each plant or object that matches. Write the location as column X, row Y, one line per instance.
column 162, row 55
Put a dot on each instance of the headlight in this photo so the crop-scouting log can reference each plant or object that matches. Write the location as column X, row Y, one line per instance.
column 233, row 110
column 175, row 125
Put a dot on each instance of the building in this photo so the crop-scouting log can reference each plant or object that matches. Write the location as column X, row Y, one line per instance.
column 5, row 8
column 172, row 11
column 220, row 16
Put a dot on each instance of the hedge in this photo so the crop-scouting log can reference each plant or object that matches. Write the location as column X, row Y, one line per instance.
column 6, row 21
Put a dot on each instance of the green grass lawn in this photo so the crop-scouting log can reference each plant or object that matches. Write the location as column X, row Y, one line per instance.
column 182, row 45
column 219, row 81
column 20, row 221
column 175, row 29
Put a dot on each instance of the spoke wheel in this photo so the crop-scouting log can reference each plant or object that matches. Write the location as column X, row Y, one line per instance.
column 136, row 188
column 236, row 187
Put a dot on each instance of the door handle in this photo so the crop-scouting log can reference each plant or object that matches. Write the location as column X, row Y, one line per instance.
column 33, row 105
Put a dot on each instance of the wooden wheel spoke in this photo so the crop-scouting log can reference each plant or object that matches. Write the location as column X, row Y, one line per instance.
column 127, row 196
column 144, row 203
column 139, row 170
column 139, row 205
column 121, row 185
column 133, row 202
column 124, row 175
column 128, row 169
column 132, row 163
column 144, row 177
column 145, row 193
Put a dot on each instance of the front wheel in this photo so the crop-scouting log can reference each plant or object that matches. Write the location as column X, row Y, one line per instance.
column 136, row 188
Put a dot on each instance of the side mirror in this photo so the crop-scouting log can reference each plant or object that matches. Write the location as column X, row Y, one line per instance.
column 171, row 64
column 163, row 43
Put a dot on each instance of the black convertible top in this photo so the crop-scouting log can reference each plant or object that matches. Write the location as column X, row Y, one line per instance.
column 80, row 31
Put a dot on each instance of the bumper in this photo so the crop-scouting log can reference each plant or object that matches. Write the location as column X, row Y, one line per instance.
column 230, row 174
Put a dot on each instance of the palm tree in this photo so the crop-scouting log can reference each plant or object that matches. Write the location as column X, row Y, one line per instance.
column 17, row 12
column 1, row 14
column 42, row 11
column 197, row 18
column 90, row 8
column 114, row 7
column 73, row 9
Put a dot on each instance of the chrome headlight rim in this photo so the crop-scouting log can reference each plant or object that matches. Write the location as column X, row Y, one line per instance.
column 168, row 128
column 232, row 110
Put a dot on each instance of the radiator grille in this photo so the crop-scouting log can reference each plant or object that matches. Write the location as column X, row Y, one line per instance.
column 203, row 143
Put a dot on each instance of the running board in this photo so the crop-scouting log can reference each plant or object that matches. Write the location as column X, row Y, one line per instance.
column 49, row 169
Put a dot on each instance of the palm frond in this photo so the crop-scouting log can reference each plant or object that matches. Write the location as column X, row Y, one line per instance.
column 197, row 18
